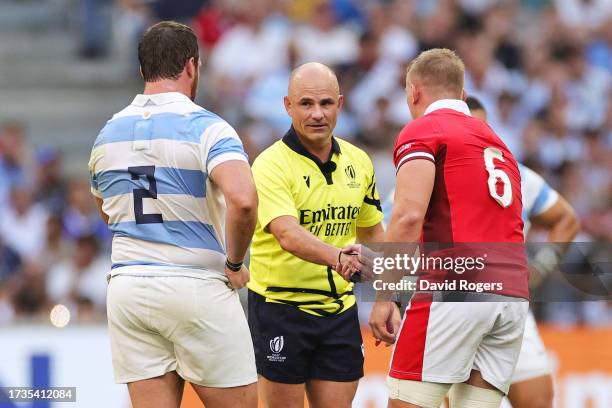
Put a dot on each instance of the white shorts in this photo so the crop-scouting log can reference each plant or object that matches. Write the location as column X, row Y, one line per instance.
column 197, row 327
column 442, row 342
column 533, row 360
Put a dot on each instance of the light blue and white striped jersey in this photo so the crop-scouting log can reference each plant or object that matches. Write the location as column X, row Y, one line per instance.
column 538, row 197
column 150, row 165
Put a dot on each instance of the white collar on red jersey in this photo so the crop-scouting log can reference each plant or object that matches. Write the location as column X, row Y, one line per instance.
column 454, row 104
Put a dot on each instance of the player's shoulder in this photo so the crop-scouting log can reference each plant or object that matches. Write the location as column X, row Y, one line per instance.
column 355, row 153
column 529, row 177
column 204, row 122
column 348, row 147
column 424, row 126
column 273, row 156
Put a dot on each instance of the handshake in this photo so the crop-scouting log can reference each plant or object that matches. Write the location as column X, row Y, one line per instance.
column 355, row 263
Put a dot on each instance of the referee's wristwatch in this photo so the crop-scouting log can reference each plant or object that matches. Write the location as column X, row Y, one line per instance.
column 234, row 267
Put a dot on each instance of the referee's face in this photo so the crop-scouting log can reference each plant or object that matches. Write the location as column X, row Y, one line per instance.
column 314, row 103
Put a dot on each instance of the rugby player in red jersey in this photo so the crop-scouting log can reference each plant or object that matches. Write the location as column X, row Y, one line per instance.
column 456, row 183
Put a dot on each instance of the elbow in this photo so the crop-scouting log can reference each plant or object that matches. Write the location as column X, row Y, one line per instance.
column 245, row 205
column 286, row 240
column 412, row 220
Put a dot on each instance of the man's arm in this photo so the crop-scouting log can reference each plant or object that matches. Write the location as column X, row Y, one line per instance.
column 293, row 238
column 560, row 220
column 99, row 203
column 375, row 233
column 563, row 226
column 414, row 184
column 235, row 180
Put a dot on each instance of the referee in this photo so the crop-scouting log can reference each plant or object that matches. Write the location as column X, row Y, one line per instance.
column 317, row 196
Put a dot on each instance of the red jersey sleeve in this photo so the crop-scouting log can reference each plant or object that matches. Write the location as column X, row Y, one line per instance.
column 417, row 140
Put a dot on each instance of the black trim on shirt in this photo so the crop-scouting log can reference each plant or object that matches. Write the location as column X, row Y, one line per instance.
column 371, row 200
column 327, row 293
column 292, row 141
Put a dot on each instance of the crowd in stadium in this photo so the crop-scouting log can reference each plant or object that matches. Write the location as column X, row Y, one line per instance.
column 542, row 68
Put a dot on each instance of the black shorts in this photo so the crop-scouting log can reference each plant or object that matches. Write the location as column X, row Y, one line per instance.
column 292, row 346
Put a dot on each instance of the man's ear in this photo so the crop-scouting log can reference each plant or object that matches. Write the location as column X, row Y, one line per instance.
column 287, row 103
column 464, row 94
column 340, row 101
column 415, row 94
column 140, row 69
column 191, row 68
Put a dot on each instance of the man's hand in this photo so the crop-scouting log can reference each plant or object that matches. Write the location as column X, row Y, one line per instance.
column 349, row 261
column 385, row 322
column 238, row 280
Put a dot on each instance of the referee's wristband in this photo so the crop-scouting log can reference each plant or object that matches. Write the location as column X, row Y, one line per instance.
column 234, row 267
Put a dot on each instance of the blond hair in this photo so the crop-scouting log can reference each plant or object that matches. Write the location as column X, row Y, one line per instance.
column 440, row 70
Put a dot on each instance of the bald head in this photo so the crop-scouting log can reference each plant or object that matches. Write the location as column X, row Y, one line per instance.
column 313, row 101
column 313, row 74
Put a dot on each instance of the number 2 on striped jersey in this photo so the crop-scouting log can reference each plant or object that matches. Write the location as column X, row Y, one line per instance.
column 490, row 155
column 139, row 193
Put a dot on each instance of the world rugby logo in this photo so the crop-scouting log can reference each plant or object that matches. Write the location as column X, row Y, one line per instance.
column 352, row 176
column 276, row 344
column 350, row 172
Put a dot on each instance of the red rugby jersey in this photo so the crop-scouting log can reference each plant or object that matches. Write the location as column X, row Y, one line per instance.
column 476, row 196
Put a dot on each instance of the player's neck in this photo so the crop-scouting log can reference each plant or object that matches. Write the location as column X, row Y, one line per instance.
column 166, row 85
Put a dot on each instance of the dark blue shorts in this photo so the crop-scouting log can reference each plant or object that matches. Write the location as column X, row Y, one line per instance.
column 292, row 346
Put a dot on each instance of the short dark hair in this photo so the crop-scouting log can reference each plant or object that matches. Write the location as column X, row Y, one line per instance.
column 474, row 103
column 164, row 49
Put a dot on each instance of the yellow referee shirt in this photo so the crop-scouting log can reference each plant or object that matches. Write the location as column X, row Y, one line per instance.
column 328, row 199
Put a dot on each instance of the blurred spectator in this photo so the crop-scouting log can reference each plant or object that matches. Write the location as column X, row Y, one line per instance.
column 81, row 276
column 558, row 143
column 378, row 129
column 384, row 80
column 509, row 121
column 599, row 50
column 584, row 13
column 95, row 25
column 50, row 185
column 130, row 20
column 29, row 294
column 7, row 311
column 15, row 159
column 264, row 101
column 255, row 46
column 347, row 11
column 302, row 10
column 81, row 216
column 323, row 40
column 182, row 11
column 537, row 74
column 587, row 89
column 9, row 262
column 485, row 77
column 23, row 224
column 476, row 7
column 437, row 26
column 57, row 247
column 212, row 21
column 397, row 42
